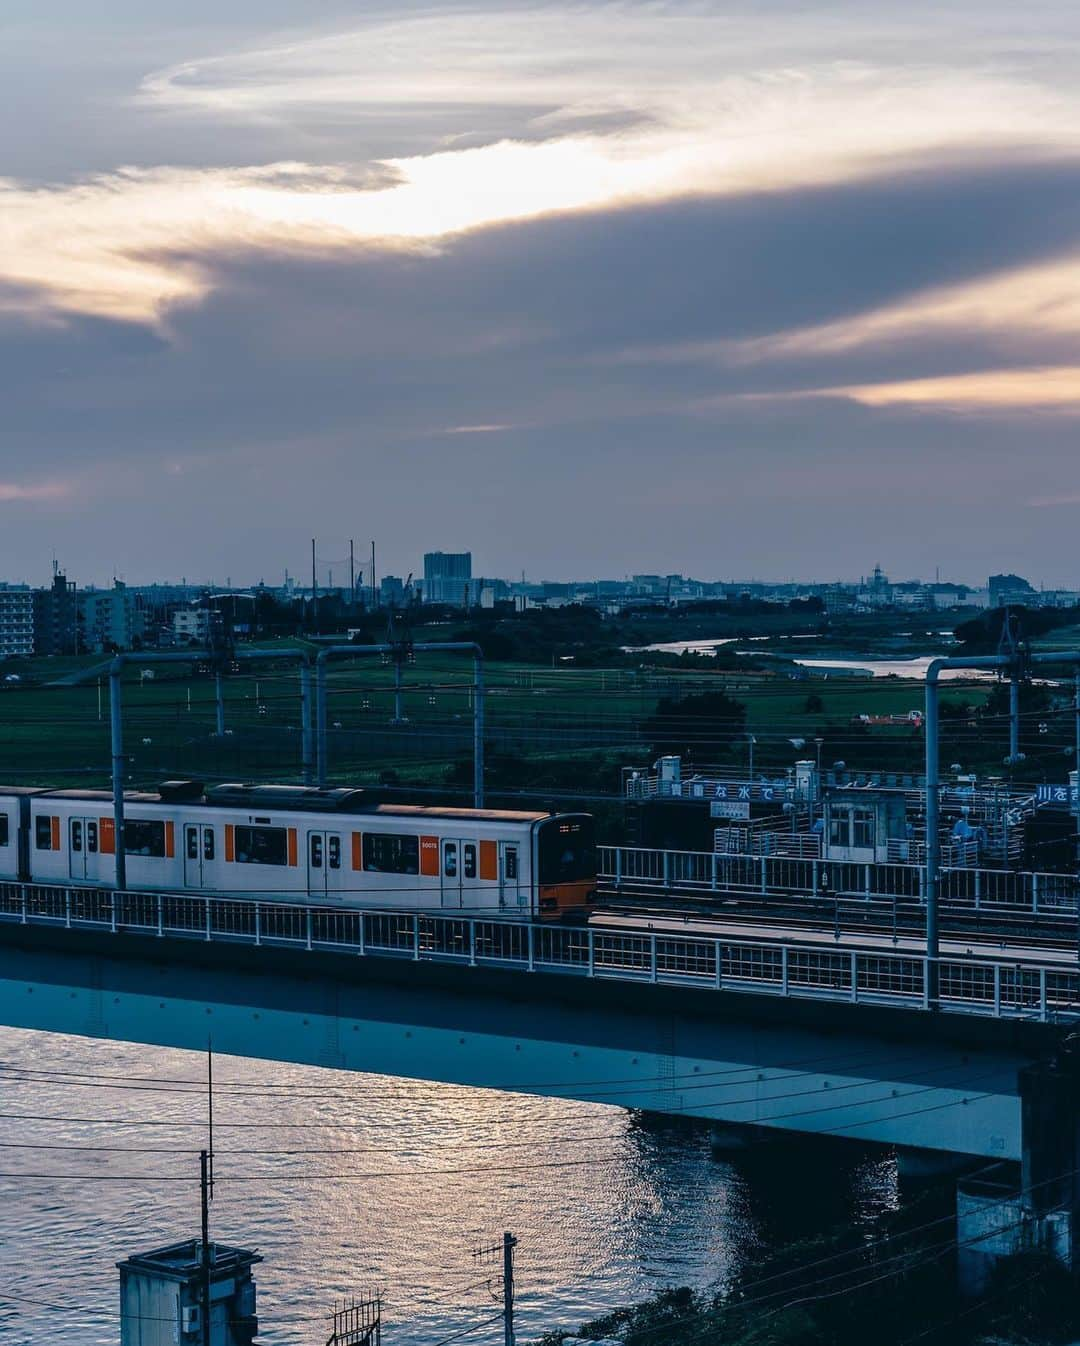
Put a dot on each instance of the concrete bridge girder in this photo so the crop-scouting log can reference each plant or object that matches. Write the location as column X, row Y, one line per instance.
column 927, row 1095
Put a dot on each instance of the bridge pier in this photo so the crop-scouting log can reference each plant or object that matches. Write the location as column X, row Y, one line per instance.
column 914, row 1166
column 1003, row 1210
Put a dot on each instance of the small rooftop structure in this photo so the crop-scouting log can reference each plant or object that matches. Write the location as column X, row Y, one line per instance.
column 161, row 1296
column 860, row 824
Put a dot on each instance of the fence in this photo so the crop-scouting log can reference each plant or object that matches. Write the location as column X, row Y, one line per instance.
column 1004, row 891
column 972, row 986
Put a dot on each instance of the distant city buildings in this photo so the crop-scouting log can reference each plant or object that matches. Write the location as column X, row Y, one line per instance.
column 447, row 577
column 63, row 619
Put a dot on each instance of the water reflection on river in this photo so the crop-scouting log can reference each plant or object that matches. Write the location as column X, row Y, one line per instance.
column 608, row 1206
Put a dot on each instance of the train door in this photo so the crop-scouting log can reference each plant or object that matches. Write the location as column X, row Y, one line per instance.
column 200, row 855
column 509, row 874
column 324, row 864
column 83, row 846
column 450, row 869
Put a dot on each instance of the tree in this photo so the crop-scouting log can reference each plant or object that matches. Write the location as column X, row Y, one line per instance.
column 701, row 728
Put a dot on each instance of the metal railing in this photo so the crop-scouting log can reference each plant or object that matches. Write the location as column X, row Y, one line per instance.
column 970, row 986
column 1007, row 892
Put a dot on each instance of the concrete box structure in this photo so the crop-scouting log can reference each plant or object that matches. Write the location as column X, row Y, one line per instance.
column 161, row 1296
column 994, row 1221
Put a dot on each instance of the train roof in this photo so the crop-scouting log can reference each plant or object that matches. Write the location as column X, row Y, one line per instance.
column 286, row 798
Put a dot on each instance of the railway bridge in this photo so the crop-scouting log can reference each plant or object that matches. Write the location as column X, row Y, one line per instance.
column 751, row 1030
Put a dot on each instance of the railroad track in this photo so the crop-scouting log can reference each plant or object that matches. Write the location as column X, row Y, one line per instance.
column 849, row 916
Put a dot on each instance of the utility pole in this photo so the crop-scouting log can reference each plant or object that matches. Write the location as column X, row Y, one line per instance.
column 205, row 1262
column 374, row 605
column 352, row 574
column 509, row 1244
column 490, row 1253
column 1076, row 801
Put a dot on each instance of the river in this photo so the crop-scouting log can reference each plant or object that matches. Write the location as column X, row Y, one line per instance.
column 914, row 667
column 348, row 1182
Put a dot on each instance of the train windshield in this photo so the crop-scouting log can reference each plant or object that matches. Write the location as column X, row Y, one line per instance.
column 567, row 850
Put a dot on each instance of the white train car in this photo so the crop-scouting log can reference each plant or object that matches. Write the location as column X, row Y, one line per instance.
column 304, row 844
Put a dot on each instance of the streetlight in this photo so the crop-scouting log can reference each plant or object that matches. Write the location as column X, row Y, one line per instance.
column 751, row 740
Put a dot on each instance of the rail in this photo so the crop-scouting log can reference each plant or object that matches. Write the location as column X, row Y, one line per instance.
column 1006, row 892
column 967, row 985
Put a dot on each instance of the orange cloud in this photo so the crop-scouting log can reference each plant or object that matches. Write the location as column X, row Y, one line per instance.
column 1056, row 388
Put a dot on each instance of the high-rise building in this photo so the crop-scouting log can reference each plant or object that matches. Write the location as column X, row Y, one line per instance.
column 446, row 577
column 56, row 618
column 16, row 620
column 391, row 591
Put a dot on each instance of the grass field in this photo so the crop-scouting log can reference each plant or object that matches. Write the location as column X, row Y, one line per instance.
column 58, row 734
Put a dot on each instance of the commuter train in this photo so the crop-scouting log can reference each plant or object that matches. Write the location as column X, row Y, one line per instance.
column 334, row 846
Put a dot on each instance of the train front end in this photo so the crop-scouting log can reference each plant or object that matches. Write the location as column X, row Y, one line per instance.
column 566, row 866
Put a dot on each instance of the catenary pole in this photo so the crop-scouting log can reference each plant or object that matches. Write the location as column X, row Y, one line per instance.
column 314, row 592
column 329, row 652
column 932, row 883
column 116, row 727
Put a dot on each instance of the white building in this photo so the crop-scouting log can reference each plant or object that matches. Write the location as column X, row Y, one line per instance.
column 191, row 626
column 16, row 620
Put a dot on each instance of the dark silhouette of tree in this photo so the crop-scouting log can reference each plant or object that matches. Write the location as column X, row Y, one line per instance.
column 702, row 727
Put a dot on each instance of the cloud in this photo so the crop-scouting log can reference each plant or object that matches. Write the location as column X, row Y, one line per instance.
column 22, row 491
column 1049, row 501
column 698, row 290
column 1040, row 301
column 679, row 101
column 1053, row 389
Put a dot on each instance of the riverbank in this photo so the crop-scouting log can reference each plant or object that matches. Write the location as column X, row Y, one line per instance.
column 892, row 1287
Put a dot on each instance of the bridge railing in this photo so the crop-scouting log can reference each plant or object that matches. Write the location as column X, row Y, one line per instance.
column 632, row 870
column 967, row 985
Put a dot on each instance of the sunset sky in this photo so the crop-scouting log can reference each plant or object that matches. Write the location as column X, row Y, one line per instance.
column 734, row 289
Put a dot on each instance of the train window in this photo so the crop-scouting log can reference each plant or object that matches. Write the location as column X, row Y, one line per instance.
column 333, row 851
column 862, row 827
column 144, row 837
column 450, row 859
column 76, row 834
column 5, row 833
column 192, row 843
column 510, row 863
column 92, row 838
column 315, row 846
column 43, row 832
column 386, row 854
column 468, row 860
column 566, row 851
column 262, row 846
column 208, row 843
